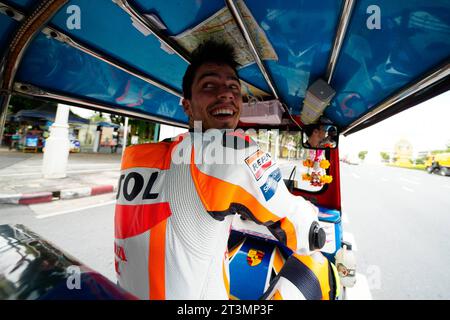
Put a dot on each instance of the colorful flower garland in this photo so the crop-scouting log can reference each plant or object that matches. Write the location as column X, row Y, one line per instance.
column 315, row 164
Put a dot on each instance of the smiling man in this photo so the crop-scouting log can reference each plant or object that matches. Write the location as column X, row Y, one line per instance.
column 211, row 88
column 173, row 218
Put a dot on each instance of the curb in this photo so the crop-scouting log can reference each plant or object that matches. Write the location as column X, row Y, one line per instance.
column 41, row 197
column 85, row 192
column 26, row 198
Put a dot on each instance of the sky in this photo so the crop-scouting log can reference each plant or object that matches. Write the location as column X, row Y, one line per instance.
column 426, row 126
column 82, row 112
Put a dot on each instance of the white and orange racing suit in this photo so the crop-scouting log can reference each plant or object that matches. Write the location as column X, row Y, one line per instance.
column 175, row 206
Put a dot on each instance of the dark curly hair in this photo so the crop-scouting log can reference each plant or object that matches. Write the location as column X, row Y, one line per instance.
column 208, row 52
column 309, row 129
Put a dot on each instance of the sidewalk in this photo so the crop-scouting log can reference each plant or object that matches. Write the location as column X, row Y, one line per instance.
column 22, row 182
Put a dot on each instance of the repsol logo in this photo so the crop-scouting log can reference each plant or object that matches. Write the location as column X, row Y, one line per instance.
column 131, row 185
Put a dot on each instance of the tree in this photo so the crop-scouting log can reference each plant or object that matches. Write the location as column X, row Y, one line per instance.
column 362, row 155
column 421, row 160
column 283, row 138
column 116, row 119
column 144, row 129
column 385, row 156
column 97, row 117
column 18, row 103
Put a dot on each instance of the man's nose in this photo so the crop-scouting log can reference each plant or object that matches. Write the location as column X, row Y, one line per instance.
column 225, row 93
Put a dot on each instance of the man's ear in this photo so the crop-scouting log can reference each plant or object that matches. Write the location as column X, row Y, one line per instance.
column 187, row 107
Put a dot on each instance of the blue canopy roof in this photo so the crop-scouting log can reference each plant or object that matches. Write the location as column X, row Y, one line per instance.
column 46, row 113
column 113, row 63
column 107, row 124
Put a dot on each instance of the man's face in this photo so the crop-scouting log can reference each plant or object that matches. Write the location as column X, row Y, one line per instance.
column 216, row 97
column 322, row 133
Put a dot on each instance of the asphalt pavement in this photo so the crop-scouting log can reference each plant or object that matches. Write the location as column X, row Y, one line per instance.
column 400, row 220
column 84, row 228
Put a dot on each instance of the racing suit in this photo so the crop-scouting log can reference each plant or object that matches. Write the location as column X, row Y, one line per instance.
column 175, row 205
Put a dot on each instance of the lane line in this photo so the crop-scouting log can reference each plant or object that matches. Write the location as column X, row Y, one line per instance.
column 73, row 171
column 410, row 181
column 44, row 216
column 70, row 165
column 355, row 175
column 407, row 189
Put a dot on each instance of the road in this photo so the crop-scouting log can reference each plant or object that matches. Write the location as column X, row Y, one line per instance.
column 399, row 220
column 83, row 227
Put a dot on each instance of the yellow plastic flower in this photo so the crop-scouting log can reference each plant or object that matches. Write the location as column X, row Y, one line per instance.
column 326, row 179
column 306, row 177
column 324, row 164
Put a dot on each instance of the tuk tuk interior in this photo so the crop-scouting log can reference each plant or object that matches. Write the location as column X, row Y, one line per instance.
column 349, row 63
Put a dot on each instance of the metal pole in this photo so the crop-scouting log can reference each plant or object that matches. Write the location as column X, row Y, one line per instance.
column 339, row 37
column 237, row 16
column 30, row 90
column 28, row 29
column 427, row 81
column 62, row 37
column 148, row 25
column 4, row 111
column 156, row 133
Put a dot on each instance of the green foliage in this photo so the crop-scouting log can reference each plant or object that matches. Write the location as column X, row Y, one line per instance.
column 97, row 117
column 362, row 155
column 440, row 151
column 116, row 119
column 385, row 156
column 420, row 161
column 18, row 103
column 145, row 130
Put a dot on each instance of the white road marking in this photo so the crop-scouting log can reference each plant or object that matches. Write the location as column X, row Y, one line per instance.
column 44, row 216
column 355, row 175
column 410, row 181
column 348, row 237
column 361, row 290
column 69, row 166
column 73, row 171
column 407, row 189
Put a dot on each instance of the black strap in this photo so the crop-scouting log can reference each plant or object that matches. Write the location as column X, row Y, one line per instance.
column 301, row 276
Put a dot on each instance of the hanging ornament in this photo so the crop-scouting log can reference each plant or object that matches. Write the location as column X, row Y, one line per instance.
column 316, row 164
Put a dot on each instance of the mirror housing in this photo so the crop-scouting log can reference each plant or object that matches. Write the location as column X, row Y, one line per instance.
column 320, row 136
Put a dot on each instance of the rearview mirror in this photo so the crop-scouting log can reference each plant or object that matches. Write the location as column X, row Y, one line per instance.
column 320, row 136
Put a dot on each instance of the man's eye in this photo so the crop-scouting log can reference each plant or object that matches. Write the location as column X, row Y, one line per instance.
column 209, row 85
column 234, row 87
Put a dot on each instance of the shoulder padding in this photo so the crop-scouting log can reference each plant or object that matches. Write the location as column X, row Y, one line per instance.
column 148, row 155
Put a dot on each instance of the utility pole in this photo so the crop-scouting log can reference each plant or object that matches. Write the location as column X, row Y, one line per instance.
column 57, row 146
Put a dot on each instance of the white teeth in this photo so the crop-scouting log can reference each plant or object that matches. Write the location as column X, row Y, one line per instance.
column 222, row 112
